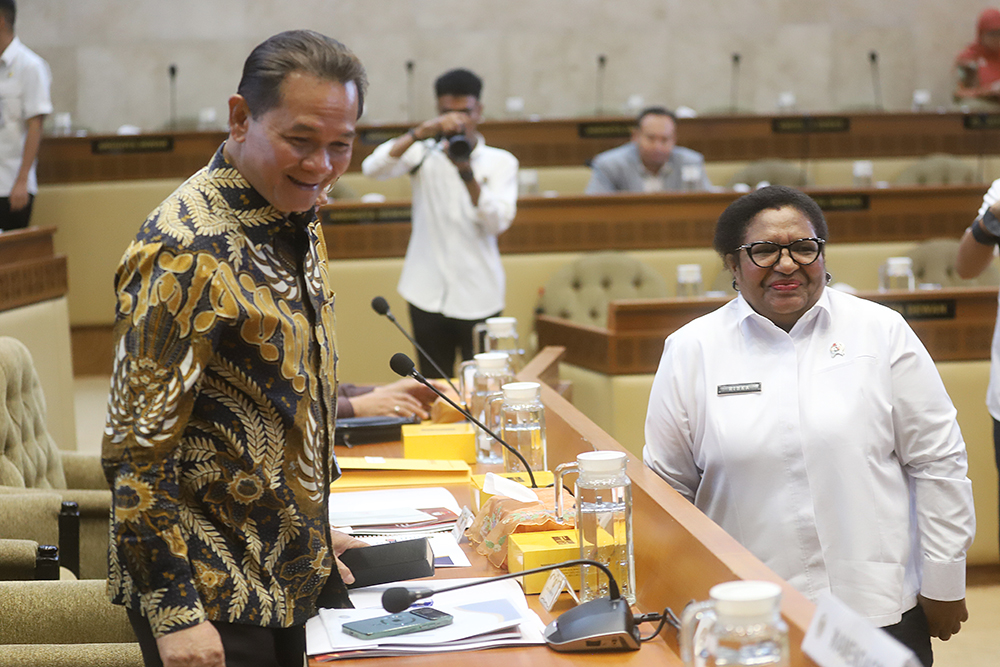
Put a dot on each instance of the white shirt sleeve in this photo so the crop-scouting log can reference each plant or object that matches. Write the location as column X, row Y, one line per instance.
column 382, row 166
column 932, row 451
column 991, row 197
column 498, row 198
column 668, row 448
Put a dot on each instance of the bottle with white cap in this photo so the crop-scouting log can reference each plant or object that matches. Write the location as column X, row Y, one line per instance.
column 740, row 625
column 521, row 418
column 689, row 280
column 896, row 274
column 479, row 381
column 603, row 520
column 499, row 334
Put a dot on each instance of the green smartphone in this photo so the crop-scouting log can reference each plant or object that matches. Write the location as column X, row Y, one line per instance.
column 423, row 618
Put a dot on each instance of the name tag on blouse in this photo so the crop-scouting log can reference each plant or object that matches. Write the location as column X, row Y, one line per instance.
column 745, row 388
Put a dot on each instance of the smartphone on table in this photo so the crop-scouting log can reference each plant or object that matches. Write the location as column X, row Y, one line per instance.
column 422, row 618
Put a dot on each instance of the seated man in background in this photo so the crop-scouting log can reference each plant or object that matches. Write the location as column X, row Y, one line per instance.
column 651, row 162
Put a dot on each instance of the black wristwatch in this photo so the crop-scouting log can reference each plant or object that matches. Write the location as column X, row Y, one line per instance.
column 986, row 230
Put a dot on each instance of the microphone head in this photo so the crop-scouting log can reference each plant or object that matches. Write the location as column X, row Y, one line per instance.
column 602, row 60
column 401, row 364
column 736, row 59
column 395, row 600
column 873, row 56
column 380, row 305
column 173, row 70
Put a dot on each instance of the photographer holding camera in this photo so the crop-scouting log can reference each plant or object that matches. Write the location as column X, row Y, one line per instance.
column 464, row 196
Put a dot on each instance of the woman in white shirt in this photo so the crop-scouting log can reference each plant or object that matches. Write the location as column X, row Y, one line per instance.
column 813, row 427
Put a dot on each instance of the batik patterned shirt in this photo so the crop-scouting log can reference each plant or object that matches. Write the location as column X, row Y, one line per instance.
column 218, row 443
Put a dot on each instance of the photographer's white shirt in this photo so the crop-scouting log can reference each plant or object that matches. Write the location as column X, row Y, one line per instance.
column 25, row 81
column 452, row 263
column 831, row 452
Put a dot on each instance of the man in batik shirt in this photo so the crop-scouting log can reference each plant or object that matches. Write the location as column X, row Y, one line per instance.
column 219, row 438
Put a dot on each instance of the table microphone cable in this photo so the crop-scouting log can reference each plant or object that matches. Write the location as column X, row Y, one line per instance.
column 668, row 616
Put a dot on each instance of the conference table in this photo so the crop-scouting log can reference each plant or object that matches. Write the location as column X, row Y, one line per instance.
column 679, row 553
column 548, row 142
column 581, row 223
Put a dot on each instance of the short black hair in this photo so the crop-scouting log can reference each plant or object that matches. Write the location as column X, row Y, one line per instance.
column 654, row 111
column 306, row 51
column 9, row 10
column 460, row 82
column 730, row 230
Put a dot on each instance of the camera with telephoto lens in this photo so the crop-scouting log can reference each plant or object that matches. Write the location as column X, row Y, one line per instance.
column 459, row 147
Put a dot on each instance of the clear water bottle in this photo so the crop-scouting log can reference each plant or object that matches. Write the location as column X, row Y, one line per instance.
column 479, row 381
column 603, row 520
column 521, row 418
column 499, row 334
column 897, row 274
column 740, row 625
column 689, row 280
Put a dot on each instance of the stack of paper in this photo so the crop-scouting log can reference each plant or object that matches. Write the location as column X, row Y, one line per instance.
column 487, row 616
column 392, row 515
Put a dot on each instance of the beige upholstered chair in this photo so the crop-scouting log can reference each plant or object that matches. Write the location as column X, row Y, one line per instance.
column 938, row 169
column 581, row 290
column 934, row 262
column 775, row 172
column 64, row 624
column 30, row 460
column 36, row 518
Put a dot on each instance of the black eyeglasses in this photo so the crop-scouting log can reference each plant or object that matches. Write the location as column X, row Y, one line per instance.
column 766, row 254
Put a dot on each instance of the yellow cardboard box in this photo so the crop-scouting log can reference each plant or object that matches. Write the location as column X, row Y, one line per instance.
column 529, row 550
column 440, row 441
column 543, row 478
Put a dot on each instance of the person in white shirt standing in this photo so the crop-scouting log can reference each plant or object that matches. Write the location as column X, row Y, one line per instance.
column 976, row 252
column 25, row 81
column 813, row 427
column 464, row 196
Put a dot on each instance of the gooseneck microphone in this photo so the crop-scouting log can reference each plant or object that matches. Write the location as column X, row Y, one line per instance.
column 604, row 624
column 381, row 306
column 602, row 62
column 172, row 71
column 734, row 84
column 403, row 365
column 876, row 79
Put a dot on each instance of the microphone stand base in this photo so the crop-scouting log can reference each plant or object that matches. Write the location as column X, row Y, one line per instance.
column 598, row 625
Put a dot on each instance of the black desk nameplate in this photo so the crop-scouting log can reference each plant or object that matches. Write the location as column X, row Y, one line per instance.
column 335, row 216
column 801, row 124
column 981, row 121
column 852, row 202
column 605, row 130
column 139, row 144
column 938, row 309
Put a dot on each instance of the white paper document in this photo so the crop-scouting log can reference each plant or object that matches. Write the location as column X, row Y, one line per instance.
column 493, row 614
column 364, row 508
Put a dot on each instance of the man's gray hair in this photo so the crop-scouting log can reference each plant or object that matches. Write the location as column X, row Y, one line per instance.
column 297, row 51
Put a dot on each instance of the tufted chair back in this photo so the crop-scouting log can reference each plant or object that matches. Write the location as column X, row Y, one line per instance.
column 581, row 290
column 934, row 262
column 938, row 169
column 28, row 456
column 775, row 172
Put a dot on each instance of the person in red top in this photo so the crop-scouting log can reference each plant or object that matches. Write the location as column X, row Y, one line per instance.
column 978, row 65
